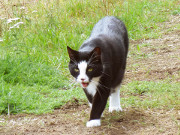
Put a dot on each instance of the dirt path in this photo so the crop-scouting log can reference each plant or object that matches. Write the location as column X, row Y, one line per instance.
column 158, row 59
column 72, row 121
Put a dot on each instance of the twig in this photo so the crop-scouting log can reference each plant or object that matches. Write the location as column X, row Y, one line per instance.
column 8, row 110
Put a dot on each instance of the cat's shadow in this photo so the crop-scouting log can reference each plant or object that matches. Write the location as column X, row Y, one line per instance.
column 126, row 122
column 129, row 121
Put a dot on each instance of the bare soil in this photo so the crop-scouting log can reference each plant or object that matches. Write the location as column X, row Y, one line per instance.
column 158, row 59
column 72, row 121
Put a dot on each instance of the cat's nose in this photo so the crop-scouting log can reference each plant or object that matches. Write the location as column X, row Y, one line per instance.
column 82, row 79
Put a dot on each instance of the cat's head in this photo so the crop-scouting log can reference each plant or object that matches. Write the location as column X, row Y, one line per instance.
column 84, row 66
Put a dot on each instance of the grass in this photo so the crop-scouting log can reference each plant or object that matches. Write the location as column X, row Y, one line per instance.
column 144, row 94
column 34, row 77
column 34, row 99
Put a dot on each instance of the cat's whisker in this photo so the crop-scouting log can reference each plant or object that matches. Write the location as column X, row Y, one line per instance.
column 100, row 84
column 74, row 61
column 92, row 58
column 97, row 89
column 74, row 81
column 103, row 86
column 105, row 73
column 106, row 63
column 93, row 62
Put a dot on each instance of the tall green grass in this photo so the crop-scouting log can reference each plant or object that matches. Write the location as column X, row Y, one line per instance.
column 34, row 77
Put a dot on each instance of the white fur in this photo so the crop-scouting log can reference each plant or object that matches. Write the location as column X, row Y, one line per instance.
column 82, row 69
column 92, row 86
column 93, row 123
column 114, row 103
column 90, row 105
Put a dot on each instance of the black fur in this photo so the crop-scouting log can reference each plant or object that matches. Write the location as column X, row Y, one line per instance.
column 110, row 35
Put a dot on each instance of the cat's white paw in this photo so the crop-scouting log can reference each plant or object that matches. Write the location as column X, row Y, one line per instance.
column 114, row 103
column 93, row 123
column 111, row 109
column 90, row 105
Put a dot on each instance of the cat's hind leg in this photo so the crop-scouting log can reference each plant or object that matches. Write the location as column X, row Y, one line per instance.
column 114, row 102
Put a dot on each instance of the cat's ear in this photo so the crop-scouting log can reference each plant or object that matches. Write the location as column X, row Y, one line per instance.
column 72, row 53
column 96, row 51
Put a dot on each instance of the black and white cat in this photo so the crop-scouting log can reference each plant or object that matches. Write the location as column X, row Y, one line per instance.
column 99, row 66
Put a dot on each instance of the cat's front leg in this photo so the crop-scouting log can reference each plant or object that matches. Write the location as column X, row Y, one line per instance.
column 98, row 105
column 93, row 123
column 89, row 97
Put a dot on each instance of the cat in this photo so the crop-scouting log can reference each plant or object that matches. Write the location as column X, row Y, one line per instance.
column 99, row 66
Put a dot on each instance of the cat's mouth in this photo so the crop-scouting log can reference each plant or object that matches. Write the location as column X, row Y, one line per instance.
column 85, row 84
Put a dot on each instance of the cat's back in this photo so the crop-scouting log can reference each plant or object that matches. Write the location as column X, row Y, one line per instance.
column 109, row 34
column 109, row 26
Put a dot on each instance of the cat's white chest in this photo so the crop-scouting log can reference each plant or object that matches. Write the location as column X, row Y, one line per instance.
column 92, row 87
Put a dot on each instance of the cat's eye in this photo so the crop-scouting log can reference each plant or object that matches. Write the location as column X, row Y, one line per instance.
column 90, row 70
column 76, row 70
